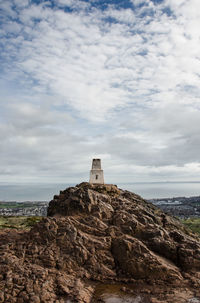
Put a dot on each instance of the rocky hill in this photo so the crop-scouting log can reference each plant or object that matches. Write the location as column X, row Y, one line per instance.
column 98, row 235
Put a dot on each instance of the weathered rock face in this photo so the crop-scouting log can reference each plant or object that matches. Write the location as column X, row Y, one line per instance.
column 97, row 233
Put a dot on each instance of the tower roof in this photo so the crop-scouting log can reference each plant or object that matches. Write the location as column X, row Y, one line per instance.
column 96, row 164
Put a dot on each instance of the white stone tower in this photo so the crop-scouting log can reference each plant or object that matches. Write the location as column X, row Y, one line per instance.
column 96, row 173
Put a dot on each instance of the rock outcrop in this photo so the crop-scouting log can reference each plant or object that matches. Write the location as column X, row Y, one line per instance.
column 98, row 234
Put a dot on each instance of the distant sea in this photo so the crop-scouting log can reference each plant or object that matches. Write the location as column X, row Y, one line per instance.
column 45, row 192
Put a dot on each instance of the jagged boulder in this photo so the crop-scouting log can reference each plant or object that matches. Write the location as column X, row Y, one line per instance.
column 97, row 233
column 84, row 199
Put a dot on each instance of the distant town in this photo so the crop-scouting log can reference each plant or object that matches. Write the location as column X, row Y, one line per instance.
column 26, row 208
column 180, row 206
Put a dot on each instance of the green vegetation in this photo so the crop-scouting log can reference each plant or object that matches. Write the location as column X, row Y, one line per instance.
column 9, row 205
column 19, row 204
column 18, row 222
column 193, row 224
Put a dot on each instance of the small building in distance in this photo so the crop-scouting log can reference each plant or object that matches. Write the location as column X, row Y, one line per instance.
column 96, row 173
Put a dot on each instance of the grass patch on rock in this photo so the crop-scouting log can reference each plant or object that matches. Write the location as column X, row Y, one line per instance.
column 193, row 224
column 18, row 222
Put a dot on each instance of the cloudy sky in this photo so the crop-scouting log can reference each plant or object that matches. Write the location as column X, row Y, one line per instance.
column 115, row 79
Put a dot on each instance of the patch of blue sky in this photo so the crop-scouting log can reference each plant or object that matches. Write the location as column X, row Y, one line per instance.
column 104, row 4
column 66, row 8
column 96, row 4
column 111, row 20
column 147, row 12
column 6, row 19
column 41, row 2
column 33, row 82
column 167, row 10
column 157, row 1
column 143, row 52
column 137, row 31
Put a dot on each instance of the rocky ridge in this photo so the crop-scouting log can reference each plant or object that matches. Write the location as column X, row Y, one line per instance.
column 99, row 234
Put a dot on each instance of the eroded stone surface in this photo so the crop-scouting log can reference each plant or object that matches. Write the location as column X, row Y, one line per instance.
column 98, row 233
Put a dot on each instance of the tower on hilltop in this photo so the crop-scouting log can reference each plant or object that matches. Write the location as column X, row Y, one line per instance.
column 96, row 173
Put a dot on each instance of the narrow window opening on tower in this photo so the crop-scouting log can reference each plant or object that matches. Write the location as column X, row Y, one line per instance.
column 96, row 177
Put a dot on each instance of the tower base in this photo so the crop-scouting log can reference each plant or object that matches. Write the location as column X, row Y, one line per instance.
column 96, row 176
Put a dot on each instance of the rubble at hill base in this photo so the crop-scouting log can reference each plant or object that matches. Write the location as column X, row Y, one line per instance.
column 99, row 234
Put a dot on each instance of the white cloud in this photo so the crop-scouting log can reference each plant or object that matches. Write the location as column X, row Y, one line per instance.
column 74, row 4
column 78, row 85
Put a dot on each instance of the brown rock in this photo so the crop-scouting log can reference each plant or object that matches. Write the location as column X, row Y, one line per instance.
column 96, row 234
column 34, row 299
